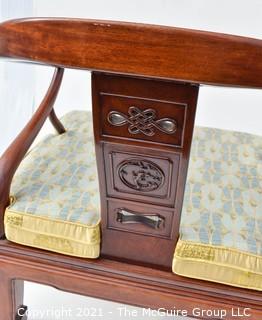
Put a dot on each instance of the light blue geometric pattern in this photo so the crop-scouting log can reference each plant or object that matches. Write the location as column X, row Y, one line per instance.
column 223, row 198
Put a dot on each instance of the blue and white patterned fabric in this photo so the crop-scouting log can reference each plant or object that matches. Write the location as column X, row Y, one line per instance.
column 55, row 204
column 223, row 198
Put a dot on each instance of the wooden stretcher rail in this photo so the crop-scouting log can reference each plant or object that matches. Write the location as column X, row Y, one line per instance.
column 135, row 49
column 124, row 283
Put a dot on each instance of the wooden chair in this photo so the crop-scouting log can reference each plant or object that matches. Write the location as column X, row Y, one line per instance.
column 157, row 63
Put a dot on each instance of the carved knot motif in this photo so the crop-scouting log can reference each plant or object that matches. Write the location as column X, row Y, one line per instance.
column 141, row 175
column 142, row 121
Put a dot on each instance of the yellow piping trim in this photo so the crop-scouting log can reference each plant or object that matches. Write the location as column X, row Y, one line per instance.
column 67, row 237
column 92, row 251
column 219, row 264
column 57, row 236
column 13, row 200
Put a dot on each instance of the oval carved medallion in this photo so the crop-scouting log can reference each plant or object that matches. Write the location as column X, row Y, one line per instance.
column 141, row 175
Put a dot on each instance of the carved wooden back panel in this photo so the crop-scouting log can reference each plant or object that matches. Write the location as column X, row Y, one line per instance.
column 143, row 131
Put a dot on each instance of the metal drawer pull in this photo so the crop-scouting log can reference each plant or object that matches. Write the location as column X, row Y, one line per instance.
column 154, row 221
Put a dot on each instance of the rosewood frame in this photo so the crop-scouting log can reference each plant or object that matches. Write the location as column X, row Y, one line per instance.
column 155, row 52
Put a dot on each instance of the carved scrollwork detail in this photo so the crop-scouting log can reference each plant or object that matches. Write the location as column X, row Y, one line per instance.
column 141, row 175
column 142, row 121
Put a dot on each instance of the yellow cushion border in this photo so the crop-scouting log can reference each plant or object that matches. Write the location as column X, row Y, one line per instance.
column 45, row 217
column 219, row 264
column 67, row 237
column 52, row 243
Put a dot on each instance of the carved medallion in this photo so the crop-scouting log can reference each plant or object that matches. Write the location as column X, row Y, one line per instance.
column 141, row 175
column 142, row 121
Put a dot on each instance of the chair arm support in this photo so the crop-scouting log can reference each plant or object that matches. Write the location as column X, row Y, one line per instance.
column 15, row 153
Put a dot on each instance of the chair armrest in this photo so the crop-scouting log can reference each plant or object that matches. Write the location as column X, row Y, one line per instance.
column 12, row 157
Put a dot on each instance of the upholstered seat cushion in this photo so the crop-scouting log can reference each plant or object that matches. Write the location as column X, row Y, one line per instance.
column 221, row 227
column 55, row 195
column 55, row 203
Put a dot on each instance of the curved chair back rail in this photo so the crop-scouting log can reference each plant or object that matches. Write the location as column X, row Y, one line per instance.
column 135, row 49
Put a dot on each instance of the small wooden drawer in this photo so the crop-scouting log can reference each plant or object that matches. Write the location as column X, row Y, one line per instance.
column 146, row 220
column 140, row 174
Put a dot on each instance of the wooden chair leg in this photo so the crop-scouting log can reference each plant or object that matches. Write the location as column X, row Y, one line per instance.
column 18, row 293
column 11, row 302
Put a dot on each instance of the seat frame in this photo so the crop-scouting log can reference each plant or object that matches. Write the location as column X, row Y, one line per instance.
column 187, row 57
